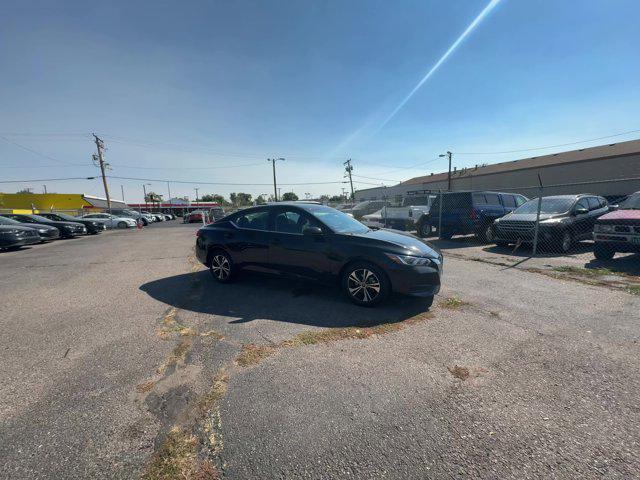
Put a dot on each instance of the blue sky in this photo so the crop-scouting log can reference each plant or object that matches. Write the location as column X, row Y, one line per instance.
column 190, row 90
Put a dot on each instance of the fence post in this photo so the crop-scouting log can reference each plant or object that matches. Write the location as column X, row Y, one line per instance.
column 537, row 226
column 440, row 217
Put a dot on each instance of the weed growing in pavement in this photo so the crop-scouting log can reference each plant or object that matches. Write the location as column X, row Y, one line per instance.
column 178, row 354
column 635, row 289
column 589, row 272
column 252, row 354
column 212, row 334
column 145, row 387
column 452, row 303
column 178, row 458
column 461, row 373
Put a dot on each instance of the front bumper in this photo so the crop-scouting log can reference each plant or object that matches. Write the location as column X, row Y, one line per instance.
column 623, row 243
column 546, row 233
column 422, row 281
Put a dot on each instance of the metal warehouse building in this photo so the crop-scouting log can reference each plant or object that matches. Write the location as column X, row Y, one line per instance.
column 609, row 170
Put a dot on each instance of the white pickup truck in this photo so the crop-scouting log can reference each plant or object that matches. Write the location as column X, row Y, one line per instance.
column 400, row 218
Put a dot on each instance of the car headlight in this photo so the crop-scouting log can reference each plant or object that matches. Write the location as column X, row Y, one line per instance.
column 9, row 232
column 553, row 221
column 601, row 227
column 411, row 260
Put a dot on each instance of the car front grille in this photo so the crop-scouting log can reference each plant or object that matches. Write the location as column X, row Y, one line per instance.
column 517, row 226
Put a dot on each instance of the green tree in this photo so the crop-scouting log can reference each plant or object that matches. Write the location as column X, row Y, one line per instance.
column 260, row 200
column 240, row 199
column 214, row 197
column 289, row 197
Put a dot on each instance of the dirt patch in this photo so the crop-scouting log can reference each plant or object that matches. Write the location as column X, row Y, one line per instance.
column 464, row 373
column 145, row 387
column 178, row 354
column 212, row 334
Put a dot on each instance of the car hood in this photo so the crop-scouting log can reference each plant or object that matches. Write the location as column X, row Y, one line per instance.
column 4, row 228
column 38, row 226
column 529, row 217
column 633, row 215
column 57, row 223
column 399, row 242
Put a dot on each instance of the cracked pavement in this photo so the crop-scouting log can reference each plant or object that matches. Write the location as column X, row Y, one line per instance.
column 91, row 385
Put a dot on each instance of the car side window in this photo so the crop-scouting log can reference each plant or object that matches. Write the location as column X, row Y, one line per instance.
column 253, row 220
column 479, row 199
column 594, row 203
column 520, row 200
column 290, row 221
column 509, row 201
column 582, row 203
column 492, row 199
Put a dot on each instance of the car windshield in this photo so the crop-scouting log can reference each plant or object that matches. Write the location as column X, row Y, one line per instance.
column 549, row 205
column 64, row 216
column 8, row 221
column 337, row 221
column 631, row 203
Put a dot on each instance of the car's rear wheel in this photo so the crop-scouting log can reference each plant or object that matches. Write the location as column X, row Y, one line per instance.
column 424, row 227
column 122, row 224
column 221, row 266
column 487, row 234
column 603, row 252
column 365, row 284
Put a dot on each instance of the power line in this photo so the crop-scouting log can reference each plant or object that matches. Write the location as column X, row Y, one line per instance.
column 40, row 154
column 47, row 179
column 185, row 168
column 375, row 178
column 549, row 146
column 219, row 183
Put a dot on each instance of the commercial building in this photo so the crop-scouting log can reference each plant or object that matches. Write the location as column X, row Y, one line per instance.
column 45, row 202
column 610, row 170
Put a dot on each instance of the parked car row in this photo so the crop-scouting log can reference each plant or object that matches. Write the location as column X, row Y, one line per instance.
column 508, row 219
column 18, row 230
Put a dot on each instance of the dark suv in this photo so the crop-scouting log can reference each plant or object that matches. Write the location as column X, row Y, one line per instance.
column 465, row 213
column 564, row 219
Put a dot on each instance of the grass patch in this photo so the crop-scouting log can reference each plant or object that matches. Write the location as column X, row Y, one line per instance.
column 178, row 458
column 145, row 387
column 179, row 354
column 634, row 290
column 589, row 272
column 170, row 326
column 253, row 354
column 212, row 334
column 452, row 303
column 215, row 393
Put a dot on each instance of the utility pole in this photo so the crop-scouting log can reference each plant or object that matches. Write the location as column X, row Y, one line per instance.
column 196, row 189
column 45, row 189
column 273, row 164
column 448, row 154
column 100, row 146
column 122, row 190
column 144, row 190
column 349, row 168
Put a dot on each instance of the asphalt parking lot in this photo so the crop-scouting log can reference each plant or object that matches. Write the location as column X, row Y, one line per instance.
column 124, row 359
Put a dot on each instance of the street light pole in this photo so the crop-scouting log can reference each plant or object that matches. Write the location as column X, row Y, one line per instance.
column 196, row 189
column 448, row 154
column 273, row 164
column 144, row 190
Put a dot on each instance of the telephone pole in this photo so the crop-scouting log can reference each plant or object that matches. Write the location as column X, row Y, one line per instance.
column 122, row 191
column 448, row 154
column 273, row 164
column 349, row 168
column 100, row 146
column 196, row 189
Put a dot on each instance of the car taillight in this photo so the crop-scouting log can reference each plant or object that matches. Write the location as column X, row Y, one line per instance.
column 198, row 233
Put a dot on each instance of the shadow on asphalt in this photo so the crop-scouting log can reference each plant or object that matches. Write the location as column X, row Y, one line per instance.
column 629, row 264
column 255, row 296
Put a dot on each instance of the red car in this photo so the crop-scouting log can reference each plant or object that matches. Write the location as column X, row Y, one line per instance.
column 194, row 217
column 618, row 231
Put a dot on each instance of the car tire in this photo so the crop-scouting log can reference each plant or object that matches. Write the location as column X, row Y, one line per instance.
column 565, row 241
column 365, row 284
column 423, row 227
column 222, row 267
column 603, row 252
column 122, row 225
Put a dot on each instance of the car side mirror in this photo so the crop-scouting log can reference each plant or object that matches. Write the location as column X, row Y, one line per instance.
column 312, row 231
column 580, row 211
column 613, row 208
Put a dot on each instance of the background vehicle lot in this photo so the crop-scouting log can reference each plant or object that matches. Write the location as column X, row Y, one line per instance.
column 524, row 374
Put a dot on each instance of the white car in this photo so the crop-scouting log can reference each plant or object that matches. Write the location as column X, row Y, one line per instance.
column 111, row 221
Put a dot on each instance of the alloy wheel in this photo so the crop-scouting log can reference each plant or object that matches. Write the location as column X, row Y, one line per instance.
column 220, row 267
column 488, row 233
column 566, row 242
column 363, row 285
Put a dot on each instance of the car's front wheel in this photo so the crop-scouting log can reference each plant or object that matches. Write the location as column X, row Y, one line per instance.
column 565, row 241
column 603, row 252
column 122, row 225
column 424, row 227
column 221, row 266
column 365, row 284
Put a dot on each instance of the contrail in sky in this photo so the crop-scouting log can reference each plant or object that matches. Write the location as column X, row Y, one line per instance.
column 492, row 4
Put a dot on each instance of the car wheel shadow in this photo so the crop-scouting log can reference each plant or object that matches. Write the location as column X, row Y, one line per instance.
column 259, row 297
column 627, row 264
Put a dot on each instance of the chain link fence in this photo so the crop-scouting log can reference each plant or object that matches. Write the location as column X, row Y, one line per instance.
column 599, row 218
